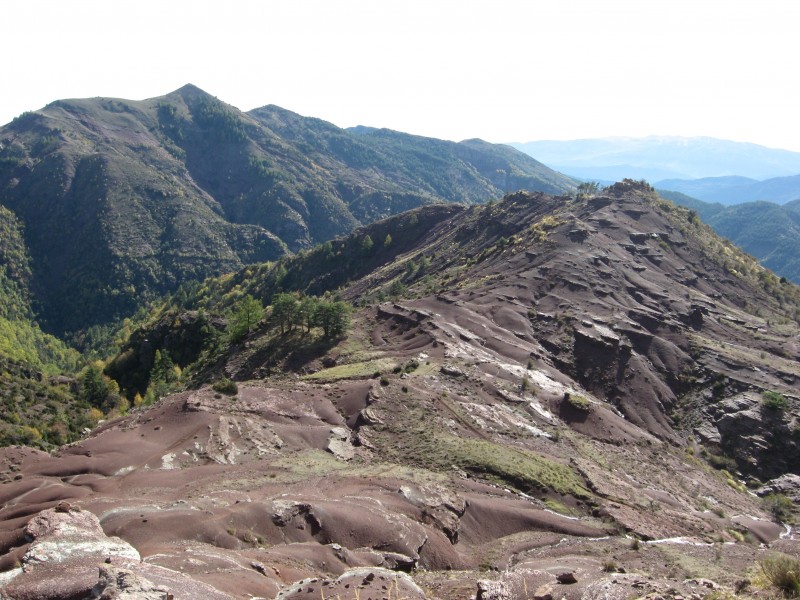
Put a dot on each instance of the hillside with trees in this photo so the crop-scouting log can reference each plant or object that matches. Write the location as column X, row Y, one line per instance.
column 768, row 231
column 123, row 201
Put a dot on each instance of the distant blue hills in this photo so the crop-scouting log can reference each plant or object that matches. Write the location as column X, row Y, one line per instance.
column 736, row 190
column 656, row 157
column 705, row 168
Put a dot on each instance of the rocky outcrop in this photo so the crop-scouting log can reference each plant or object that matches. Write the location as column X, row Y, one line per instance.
column 761, row 439
column 115, row 583
column 356, row 583
column 142, row 581
column 67, row 541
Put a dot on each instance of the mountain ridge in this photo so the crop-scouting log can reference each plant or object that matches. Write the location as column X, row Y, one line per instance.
column 525, row 387
column 131, row 198
column 657, row 157
column 737, row 190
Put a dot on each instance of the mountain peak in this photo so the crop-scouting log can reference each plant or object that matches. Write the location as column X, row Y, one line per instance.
column 242, row 188
column 190, row 93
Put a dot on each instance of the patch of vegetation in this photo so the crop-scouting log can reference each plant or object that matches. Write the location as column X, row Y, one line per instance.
column 190, row 343
column 353, row 370
column 439, row 450
column 247, row 313
column 610, row 566
column 783, row 573
column 41, row 411
column 578, row 402
column 542, row 228
column 774, row 401
column 524, row 470
column 729, row 479
column 558, row 507
column 411, row 366
column 737, row 535
column 221, row 123
column 780, row 507
column 225, row 386
column 587, row 189
column 718, row 461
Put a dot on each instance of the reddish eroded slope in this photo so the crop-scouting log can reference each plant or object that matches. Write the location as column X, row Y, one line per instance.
column 524, row 424
column 624, row 294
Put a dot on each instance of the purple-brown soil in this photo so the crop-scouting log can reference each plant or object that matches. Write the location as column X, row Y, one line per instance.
column 572, row 363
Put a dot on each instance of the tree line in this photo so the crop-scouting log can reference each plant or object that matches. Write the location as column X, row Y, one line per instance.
column 290, row 312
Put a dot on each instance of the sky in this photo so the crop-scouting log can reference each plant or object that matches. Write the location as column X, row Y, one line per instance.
column 500, row 70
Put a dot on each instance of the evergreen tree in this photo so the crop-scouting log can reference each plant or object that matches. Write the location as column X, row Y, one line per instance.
column 163, row 367
column 284, row 311
column 93, row 388
column 247, row 314
column 99, row 391
column 397, row 289
column 162, row 376
column 366, row 244
column 334, row 318
column 307, row 312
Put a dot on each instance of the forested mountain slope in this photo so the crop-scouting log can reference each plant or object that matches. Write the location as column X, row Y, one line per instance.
column 123, row 200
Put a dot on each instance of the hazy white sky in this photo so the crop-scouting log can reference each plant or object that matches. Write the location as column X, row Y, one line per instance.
column 502, row 70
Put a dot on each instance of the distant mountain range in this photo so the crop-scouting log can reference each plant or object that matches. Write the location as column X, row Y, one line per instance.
column 657, row 158
column 121, row 201
column 736, row 189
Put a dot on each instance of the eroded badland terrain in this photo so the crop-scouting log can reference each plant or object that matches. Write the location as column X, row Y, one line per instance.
column 537, row 398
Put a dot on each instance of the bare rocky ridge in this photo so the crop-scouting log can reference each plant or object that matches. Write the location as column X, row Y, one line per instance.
column 535, row 432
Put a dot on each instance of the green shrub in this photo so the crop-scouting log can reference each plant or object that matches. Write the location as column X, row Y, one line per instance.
column 410, row 366
column 783, row 572
column 609, row 566
column 225, row 386
column 774, row 401
column 578, row 402
column 779, row 506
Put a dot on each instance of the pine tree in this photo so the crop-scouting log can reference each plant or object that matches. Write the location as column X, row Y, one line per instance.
column 284, row 311
column 307, row 312
column 93, row 387
column 247, row 314
column 334, row 318
column 366, row 244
